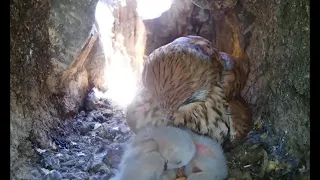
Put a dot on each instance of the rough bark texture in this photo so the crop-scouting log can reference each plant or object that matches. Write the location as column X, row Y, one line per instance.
column 31, row 109
column 69, row 25
column 45, row 38
column 50, row 71
column 278, row 87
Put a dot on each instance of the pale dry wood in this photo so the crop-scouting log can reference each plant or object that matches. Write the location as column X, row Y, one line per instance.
column 80, row 60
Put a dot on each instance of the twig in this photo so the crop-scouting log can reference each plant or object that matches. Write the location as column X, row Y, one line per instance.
column 79, row 61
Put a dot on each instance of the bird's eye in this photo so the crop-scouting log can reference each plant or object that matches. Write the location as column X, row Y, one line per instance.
column 198, row 47
column 165, row 165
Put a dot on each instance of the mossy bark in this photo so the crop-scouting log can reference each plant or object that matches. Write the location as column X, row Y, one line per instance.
column 37, row 104
column 280, row 45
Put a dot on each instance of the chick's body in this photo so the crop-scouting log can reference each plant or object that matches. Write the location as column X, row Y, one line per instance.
column 241, row 117
column 234, row 75
column 156, row 153
column 209, row 161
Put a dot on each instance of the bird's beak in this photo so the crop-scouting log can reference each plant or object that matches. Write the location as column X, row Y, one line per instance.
column 169, row 116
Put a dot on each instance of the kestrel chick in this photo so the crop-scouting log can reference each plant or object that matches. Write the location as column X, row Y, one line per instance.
column 209, row 161
column 241, row 117
column 234, row 75
column 155, row 153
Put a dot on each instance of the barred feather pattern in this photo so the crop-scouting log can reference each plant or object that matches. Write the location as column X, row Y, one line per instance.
column 183, row 87
column 220, row 113
column 241, row 117
column 210, row 118
column 144, row 110
column 173, row 73
column 234, row 75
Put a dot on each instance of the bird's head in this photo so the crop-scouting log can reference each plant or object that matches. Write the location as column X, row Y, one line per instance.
column 228, row 60
column 197, row 42
column 202, row 44
column 176, row 147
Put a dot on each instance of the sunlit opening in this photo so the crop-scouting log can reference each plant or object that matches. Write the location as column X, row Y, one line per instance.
column 122, row 82
column 150, row 9
column 120, row 77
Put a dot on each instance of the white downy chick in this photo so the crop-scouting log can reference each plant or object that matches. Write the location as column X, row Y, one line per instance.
column 155, row 153
column 209, row 162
